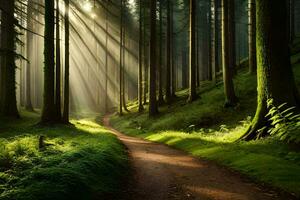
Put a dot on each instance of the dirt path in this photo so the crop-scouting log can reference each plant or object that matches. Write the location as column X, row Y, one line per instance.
column 161, row 172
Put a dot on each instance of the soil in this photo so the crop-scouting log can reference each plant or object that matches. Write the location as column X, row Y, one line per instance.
column 163, row 173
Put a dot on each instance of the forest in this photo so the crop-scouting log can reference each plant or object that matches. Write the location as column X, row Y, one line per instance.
column 149, row 99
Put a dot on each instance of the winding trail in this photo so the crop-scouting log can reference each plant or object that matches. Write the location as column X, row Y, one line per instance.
column 163, row 173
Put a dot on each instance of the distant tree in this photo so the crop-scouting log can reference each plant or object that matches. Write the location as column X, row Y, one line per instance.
column 67, row 63
column 230, row 97
column 140, row 73
column 106, row 58
column 124, row 69
column 252, row 36
column 192, row 56
column 49, row 111
column 275, row 77
column 153, row 109
column 160, row 64
column 58, row 66
column 168, row 57
column 146, row 55
column 214, row 39
column 29, row 37
column 121, row 61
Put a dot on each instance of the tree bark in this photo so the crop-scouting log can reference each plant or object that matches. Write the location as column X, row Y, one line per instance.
column 29, row 36
column 58, row 67
column 274, row 74
column 168, row 67
column 8, row 103
column 121, row 61
column 230, row 97
column 48, row 111
column 67, row 64
column 160, row 64
column 140, row 76
column 231, row 36
column 124, row 70
column 153, row 109
column 106, row 60
column 214, row 39
column 192, row 56
column 252, row 37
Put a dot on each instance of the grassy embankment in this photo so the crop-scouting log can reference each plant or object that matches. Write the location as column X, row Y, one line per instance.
column 207, row 130
column 83, row 161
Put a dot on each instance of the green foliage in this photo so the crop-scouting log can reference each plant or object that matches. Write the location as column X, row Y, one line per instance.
column 284, row 121
column 78, row 162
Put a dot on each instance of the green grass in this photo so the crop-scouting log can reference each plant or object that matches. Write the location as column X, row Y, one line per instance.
column 83, row 161
column 207, row 130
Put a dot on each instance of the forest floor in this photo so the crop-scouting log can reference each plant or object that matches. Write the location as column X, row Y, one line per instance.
column 161, row 172
column 207, row 130
column 79, row 161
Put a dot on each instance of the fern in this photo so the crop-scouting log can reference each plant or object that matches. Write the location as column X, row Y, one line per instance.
column 284, row 121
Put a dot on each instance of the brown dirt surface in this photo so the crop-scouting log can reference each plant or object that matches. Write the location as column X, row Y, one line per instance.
column 163, row 173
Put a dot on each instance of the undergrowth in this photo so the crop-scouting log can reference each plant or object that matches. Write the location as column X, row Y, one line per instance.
column 82, row 161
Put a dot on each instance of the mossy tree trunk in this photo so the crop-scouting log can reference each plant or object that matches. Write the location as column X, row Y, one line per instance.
column 67, row 64
column 252, row 36
column 8, row 103
column 192, row 52
column 274, row 71
column 153, row 109
column 230, row 97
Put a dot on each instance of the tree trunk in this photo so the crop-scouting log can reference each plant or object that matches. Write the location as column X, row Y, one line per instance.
column 160, row 65
column 153, row 110
column 184, row 69
column 230, row 98
column 192, row 56
column 58, row 66
column 274, row 74
column 121, row 62
column 214, row 40
column 106, row 60
column 231, row 36
column 48, row 112
column 168, row 67
column 124, row 70
column 173, row 51
column 252, row 36
column 146, row 63
column 140, row 76
column 210, row 38
column 291, row 16
column 8, row 104
column 67, row 64
column 28, row 103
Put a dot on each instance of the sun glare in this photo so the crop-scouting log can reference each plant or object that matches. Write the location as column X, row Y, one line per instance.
column 87, row 6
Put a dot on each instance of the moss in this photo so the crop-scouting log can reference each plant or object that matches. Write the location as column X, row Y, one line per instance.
column 78, row 162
